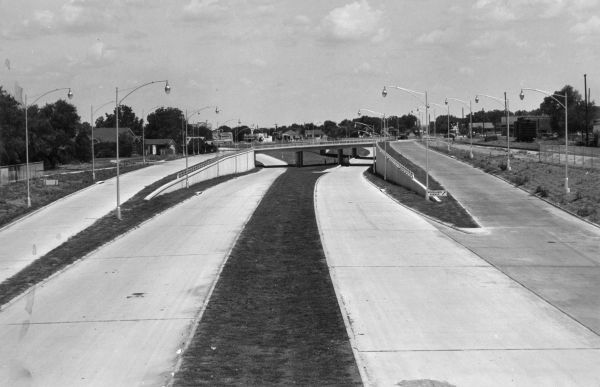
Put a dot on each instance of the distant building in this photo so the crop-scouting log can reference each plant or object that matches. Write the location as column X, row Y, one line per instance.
column 109, row 134
column 160, row 146
column 291, row 135
column 483, row 127
column 542, row 124
column 313, row 133
column 221, row 138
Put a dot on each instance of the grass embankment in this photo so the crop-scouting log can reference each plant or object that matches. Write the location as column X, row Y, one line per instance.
column 273, row 318
column 134, row 211
column 448, row 210
column 13, row 196
column 544, row 180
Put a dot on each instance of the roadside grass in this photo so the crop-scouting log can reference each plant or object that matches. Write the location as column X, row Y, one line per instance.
column 312, row 157
column 13, row 196
column 273, row 317
column 447, row 211
column 543, row 180
column 134, row 211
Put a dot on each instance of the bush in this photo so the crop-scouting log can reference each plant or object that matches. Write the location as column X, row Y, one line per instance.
column 520, row 180
column 543, row 192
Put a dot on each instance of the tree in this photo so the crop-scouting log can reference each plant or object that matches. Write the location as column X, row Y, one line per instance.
column 127, row 119
column 168, row 123
column 12, row 132
column 576, row 110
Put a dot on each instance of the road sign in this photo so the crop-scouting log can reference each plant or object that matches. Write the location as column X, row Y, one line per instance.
column 437, row 193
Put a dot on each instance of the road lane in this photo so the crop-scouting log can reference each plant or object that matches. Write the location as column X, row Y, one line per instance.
column 422, row 307
column 24, row 241
column 549, row 251
column 118, row 317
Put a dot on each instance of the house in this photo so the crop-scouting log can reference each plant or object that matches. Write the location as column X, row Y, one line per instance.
column 542, row 123
column 291, row 135
column 109, row 134
column 483, row 127
column 159, row 146
column 313, row 133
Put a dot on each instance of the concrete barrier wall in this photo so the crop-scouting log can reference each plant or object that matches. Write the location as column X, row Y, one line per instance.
column 225, row 165
column 396, row 172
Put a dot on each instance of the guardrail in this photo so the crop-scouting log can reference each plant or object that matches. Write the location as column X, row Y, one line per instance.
column 396, row 163
column 302, row 144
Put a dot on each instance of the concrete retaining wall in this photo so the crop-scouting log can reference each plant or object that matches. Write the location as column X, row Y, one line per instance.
column 224, row 165
column 395, row 172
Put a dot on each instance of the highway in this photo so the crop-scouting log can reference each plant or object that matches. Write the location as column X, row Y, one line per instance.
column 31, row 237
column 423, row 309
column 120, row 316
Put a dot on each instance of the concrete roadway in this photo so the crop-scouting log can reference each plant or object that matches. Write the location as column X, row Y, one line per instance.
column 24, row 241
column 549, row 251
column 422, row 309
column 120, row 316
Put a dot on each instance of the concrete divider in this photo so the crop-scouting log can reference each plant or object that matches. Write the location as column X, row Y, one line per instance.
column 387, row 166
column 225, row 165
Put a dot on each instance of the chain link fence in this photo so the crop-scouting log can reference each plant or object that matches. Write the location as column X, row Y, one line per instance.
column 578, row 156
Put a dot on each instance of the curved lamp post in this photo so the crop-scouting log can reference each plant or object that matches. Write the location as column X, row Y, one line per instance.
column 470, row 119
column 415, row 93
column 368, row 126
column 117, row 103
column 70, row 96
column 198, row 112
column 505, row 102
column 187, row 184
column 553, row 96
column 382, row 116
column 92, row 112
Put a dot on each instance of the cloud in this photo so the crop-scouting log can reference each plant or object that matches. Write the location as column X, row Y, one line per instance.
column 352, row 22
column 493, row 40
column 204, row 10
column 589, row 27
column 436, row 37
column 466, row 70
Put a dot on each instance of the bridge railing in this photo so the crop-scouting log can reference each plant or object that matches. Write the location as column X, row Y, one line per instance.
column 299, row 144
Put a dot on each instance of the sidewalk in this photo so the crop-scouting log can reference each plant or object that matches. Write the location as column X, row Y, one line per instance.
column 25, row 240
column 422, row 308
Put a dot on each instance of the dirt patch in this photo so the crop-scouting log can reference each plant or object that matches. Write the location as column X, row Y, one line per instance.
column 273, row 318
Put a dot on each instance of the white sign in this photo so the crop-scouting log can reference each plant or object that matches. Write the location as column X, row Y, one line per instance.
column 437, row 193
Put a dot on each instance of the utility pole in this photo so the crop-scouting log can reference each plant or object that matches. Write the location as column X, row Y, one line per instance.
column 586, row 108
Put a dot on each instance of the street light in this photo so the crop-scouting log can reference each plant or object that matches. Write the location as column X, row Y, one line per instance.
column 415, row 93
column 117, row 103
column 382, row 116
column 70, row 96
column 187, row 184
column 92, row 112
column 507, row 123
column 553, row 96
column 470, row 119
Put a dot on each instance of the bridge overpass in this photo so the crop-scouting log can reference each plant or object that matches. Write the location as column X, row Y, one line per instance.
column 322, row 146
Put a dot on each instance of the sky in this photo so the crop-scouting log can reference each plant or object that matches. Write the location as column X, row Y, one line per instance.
column 268, row 62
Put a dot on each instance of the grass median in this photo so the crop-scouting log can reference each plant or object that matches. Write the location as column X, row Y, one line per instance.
column 134, row 211
column 273, row 318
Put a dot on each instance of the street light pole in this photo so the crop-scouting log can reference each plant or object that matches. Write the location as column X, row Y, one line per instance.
column 470, row 120
column 92, row 112
column 117, row 103
column 507, row 123
column 70, row 96
column 565, row 105
column 414, row 94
